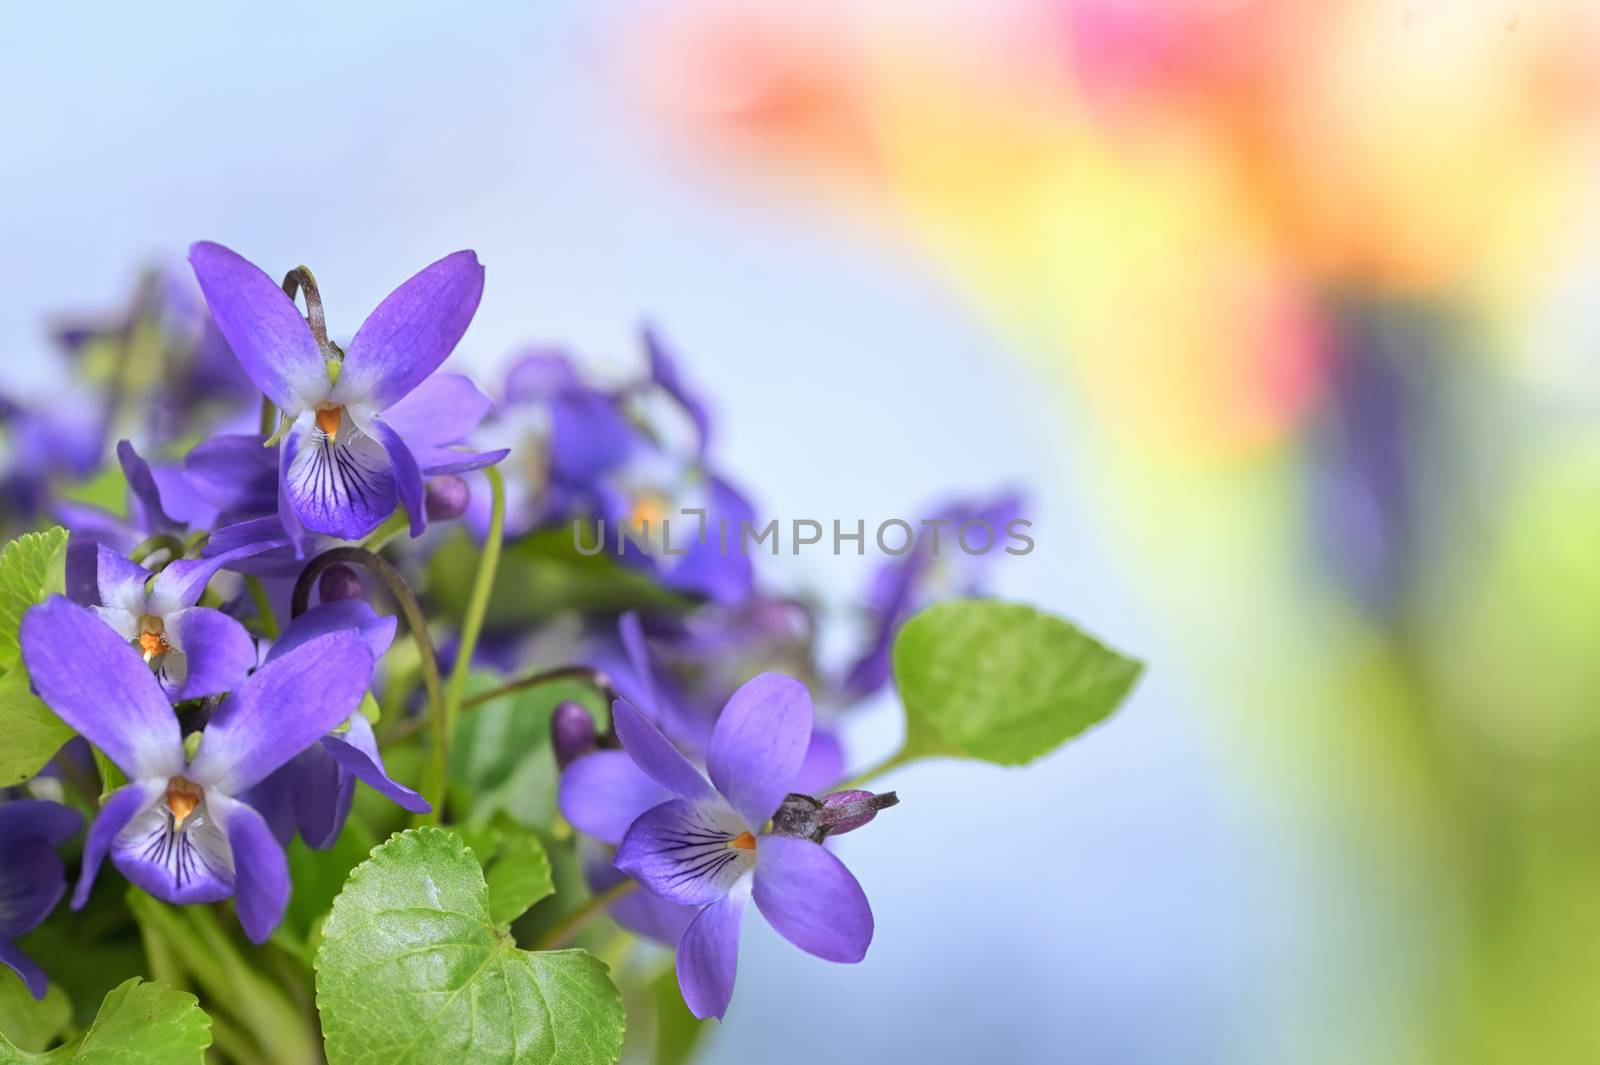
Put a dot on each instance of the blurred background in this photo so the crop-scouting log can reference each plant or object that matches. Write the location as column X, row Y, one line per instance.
column 1283, row 312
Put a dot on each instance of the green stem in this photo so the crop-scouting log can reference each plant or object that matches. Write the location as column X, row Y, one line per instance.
column 268, row 616
column 379, row 538
column 559, row 934
column 477, row 605
column 894, row 761
column 269, row 418
column 159, row 542
column 594, row 677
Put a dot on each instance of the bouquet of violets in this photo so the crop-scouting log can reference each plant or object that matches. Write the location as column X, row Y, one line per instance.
column 328, row 732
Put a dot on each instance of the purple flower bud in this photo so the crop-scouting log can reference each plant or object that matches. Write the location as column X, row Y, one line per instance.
column 572, row 733
column 446, row 497
column 339, row 582
column 846, row 811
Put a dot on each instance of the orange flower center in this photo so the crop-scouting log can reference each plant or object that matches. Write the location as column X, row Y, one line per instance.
column 328, row 420
column 744, row 841
column 182, row 798
column 647, row 507
column 152, row 638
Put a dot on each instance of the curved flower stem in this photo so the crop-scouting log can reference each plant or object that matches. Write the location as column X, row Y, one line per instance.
column 159, row 542
column 301, row 279
column 894, row 761
column 478, row 603
column 561, row 933
column 415, row 621
column 596, row 678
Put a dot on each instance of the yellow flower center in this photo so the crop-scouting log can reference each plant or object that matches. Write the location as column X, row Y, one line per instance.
column 182, row 798
column 744, row 841
column 328, row 420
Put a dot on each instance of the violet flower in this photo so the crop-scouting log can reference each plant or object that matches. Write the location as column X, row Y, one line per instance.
column 369, row 424
column 179, row 828
column 314, row 790
column 627, row 481
column 31, row 878
column 709, row 846
column 601, row 794
column 194, row 650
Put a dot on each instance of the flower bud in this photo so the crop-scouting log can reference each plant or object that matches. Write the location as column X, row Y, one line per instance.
column 817, row 819
column 572, row 733
column 846, row 811
column 446, row 497
column 339, row 582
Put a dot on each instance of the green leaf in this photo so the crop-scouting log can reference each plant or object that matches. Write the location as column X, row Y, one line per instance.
column 31, row 568
column 33, row 734
column 519, row 877
column 1002, row 682
column 139, row 1023
column 28, row 1024
column 412, row 968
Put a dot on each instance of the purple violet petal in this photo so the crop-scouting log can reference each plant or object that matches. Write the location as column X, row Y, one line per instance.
column 97, row 683
column 356, row 751
column 687, row 852
column 341, row 615
column 344, row 486
column 708, row 954
column 235, row 474
column 810, row 897
column 283, row 708
column 759, row 744
column 655, row 754
column 145, row 490
column 261, row 871
column 121, row 582
column 412, row 331
column 441, row 410
column 807, row 894
column 407, row 475
column 182, row 864
column 603, row 792
column 33, row 977
column 262, row 325
column 436, row 462
column 123, row 805
column 219, row 652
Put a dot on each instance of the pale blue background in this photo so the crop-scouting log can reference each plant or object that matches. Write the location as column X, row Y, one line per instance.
column 1119, row 902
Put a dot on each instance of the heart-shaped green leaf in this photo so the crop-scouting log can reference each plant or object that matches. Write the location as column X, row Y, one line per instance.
column 413, row 968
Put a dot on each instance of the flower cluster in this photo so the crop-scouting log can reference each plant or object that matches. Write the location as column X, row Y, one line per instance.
column 214, row 642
